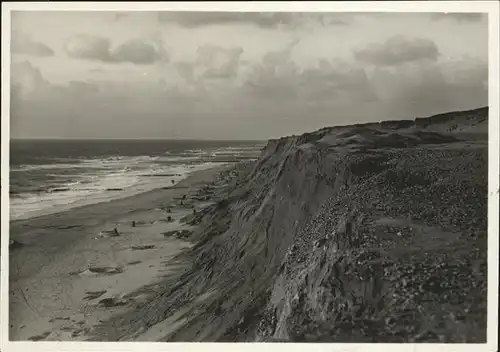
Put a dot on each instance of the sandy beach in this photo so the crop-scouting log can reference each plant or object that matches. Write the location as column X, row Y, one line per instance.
column 71, row 272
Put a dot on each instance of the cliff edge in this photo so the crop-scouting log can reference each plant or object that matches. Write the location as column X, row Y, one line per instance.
column 366, row 233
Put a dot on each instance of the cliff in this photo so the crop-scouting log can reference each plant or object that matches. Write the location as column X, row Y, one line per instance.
column 364, row 233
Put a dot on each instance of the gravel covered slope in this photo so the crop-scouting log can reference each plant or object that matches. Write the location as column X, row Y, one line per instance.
column 368, row 233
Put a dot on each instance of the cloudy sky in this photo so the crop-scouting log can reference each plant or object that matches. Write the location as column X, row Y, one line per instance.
column 237, row 75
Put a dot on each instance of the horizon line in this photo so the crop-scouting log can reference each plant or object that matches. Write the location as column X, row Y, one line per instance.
column 136, row 138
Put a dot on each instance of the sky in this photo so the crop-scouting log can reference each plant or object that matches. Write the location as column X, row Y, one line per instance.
column 230, row 75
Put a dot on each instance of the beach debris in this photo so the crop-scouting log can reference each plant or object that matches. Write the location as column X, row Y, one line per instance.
column 55, row 190
column 134, row 262
column 13, row 245
column 178, row 233
column 113, row 302
column 108, row 233
column 93, row 294
column 39, row 337
column 106, row 270
column 76, row 332
column 143, row 246
column 109, row 270
column 51, row 320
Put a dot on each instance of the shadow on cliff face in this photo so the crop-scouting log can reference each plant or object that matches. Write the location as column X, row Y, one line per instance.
column 352, row 234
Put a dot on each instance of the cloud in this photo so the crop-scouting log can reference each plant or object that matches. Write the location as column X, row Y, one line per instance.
column 432, row 88
column 26, row 80
column 273, row 77
column 276, row 93
column 81, row 87
column 23, row 44
column 332, row 81
column 460, row 16
column 185, row 71
column 192, row 19
column 398, row 50
column 137, row 52
column 279, row 77
column 90, row 47
column 213, row 66
column 218, row 62
column 327, row 82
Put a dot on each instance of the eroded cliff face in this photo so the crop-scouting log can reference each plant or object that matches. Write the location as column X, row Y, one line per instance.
column 353, row 234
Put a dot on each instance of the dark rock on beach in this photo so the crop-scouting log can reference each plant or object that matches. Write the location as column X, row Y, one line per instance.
column 178, row 233
column 109, row 270
column 112, row 302
column 143, row 247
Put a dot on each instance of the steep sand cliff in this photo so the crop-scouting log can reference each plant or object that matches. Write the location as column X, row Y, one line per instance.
column 364, row 233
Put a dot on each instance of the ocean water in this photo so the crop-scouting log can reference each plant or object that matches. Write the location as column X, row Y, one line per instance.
column 48, row 176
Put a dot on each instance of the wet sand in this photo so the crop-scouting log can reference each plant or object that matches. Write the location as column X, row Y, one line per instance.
column 71, row 272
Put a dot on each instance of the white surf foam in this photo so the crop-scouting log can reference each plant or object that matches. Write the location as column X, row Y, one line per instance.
column 125, row 178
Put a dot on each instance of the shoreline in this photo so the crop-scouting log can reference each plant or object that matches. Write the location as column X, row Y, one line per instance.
column 179, row 185
column 110, row 195
column 69, row 274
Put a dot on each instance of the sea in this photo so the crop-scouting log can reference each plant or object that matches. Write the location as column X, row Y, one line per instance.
column 50, row 176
